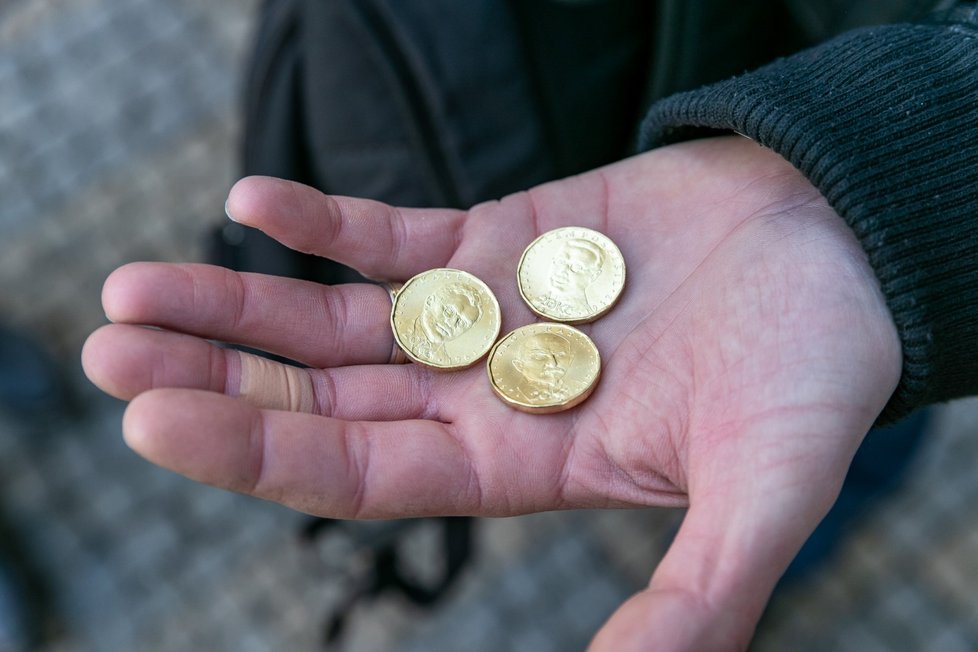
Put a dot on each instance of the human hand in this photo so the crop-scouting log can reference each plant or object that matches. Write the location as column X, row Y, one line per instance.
column 750, row 352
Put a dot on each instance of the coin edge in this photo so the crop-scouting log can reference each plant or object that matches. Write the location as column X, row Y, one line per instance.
column 411, row 356
column 544, row 409
column 591, row 317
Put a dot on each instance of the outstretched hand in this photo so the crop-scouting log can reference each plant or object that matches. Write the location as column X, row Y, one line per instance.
column 749, row 354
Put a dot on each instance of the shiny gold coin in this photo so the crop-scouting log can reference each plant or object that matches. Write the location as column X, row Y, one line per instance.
column 544, row 368
column 445, row 318
column 572, row 275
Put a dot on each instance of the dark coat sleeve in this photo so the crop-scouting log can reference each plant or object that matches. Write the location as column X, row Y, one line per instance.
column 884, row 122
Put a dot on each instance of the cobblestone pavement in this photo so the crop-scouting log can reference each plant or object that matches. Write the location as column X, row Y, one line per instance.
column 118, row 129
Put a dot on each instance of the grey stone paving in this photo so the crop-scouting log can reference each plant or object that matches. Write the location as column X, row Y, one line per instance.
column 95, row 86
column 118, row 129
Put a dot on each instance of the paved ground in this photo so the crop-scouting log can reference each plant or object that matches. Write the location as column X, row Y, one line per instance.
column 118, row 129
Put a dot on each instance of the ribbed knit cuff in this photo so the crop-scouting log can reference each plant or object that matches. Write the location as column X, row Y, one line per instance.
column 884, row 122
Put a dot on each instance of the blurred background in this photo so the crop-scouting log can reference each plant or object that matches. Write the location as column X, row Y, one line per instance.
column 119, row 123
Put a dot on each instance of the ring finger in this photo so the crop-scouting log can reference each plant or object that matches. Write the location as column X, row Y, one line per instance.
column 126, row 361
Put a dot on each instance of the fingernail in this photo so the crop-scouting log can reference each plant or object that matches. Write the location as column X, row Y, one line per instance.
column 227, row 211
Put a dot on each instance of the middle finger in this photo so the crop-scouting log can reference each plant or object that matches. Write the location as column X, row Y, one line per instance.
column 315, row 324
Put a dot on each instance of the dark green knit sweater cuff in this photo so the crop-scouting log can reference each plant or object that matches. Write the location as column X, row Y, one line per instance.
column 884, row 122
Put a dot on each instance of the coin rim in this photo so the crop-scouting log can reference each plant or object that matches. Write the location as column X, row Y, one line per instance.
column 478, row 281
column 543, row 409
column 587, row 319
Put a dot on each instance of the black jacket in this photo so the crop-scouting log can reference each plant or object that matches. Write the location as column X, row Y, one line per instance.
column 446, row 103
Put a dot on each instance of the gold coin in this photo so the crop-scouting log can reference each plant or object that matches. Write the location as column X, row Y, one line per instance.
column 445, row 318
column 544, row 368
column 571, row 275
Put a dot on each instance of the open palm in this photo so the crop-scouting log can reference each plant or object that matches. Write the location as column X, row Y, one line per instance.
column 747, row 357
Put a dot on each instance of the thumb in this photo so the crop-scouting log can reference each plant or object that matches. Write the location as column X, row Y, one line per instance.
column 711, row 588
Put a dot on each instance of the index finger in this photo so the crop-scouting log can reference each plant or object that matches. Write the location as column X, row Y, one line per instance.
column 379, row 241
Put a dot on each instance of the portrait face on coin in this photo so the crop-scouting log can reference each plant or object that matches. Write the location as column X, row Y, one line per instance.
column 445, row 318
column 544, row 368
column 543, row 360
column 449, row 312
column 574, row 267
column 572, row 275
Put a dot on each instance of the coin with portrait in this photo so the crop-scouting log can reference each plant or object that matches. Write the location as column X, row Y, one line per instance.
column 544, row 368
column 445, row 318
column 572, row 275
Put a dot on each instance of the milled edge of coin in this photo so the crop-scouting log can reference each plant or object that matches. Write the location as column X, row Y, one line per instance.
column 476, row 281
column 591, row 316
column 544, row 409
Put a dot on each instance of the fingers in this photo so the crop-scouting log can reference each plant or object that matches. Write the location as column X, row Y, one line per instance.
column 126, row 361
column 318, row 325
column 330, row 467
column 378, row 240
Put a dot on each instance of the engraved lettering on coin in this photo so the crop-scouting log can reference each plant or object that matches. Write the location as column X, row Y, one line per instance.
column 544, row 368
column 572, row 275
column 445, row 318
